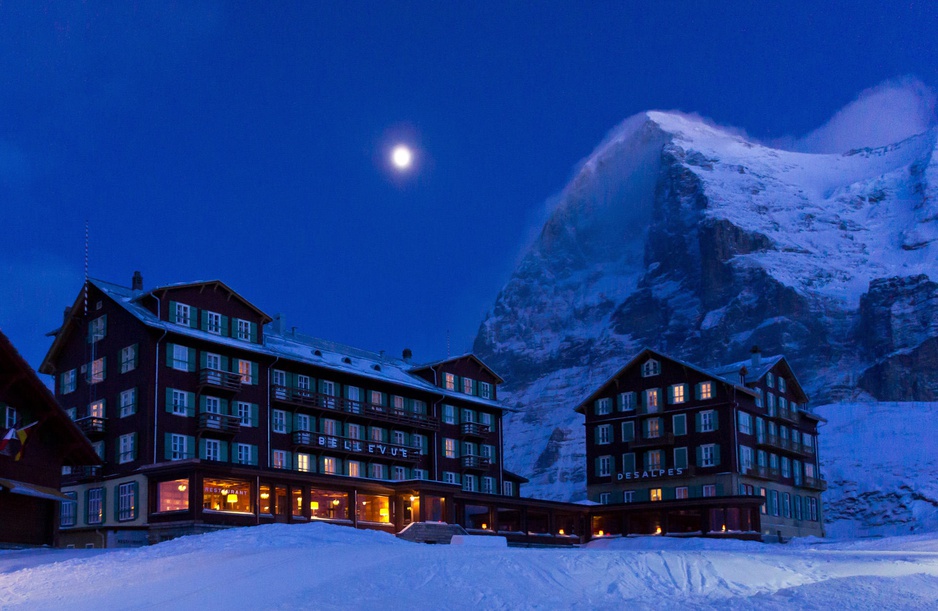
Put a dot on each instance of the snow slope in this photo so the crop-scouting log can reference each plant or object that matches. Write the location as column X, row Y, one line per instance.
column 319, row 566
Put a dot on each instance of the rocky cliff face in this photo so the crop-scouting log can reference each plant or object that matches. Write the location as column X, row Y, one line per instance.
column 683, row 237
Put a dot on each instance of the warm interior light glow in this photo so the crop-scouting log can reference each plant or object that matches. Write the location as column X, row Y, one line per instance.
column 265, row 495
column 412, row 498
column 560, row 532
column 485, row 526
column 383, row 512
column 724, row 528
column 314, row 505
column 658, row 531
column 335, row 501
column 232, row 498
column 182, row 488
column 601, row 533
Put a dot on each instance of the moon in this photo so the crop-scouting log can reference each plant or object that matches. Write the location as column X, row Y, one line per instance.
column 402, row 157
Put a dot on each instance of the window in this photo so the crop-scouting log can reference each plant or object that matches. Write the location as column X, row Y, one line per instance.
column 399, row 473
column 770, row 403
column 377, row 397
column 97, row 329
column 486, row 419
column 301, row 422
column 246, row 454
column 485, row 390
column 213, row 322
column 653, row 460
column 604, row 498
column 786, row 467
column 212, row 449
column 508, row 488
column 355, row 431
column 814, row 511
column 128, row 402
column 650, row 368
column 420, row 407
column 212, row 405
column 354, row 468
column 398, row 403
column 279, row 421
column 709, row 490
column 807, row 441
column 127, row 501
column 376, row 434
column 95, row 505
column 628, row 496
column 467, row 386
column 244, row 330
column 178, row 447
column 420, row 443
column 782, row 403
column 279, row 459
column 652, row 400
column 626, row 401
column 470, row 483
column 329, row 426
column 182, row 315
column 782, row 384
column 68, row 512
column 706, row 421
column 180, row 402
column 449, row 381
column 180, row 357
column 760, row 429
column 745, row 459
column 468, row 415
column 708, row 455
column 765, row 503
column 488, row 485
column 128, row 358
column 603, row 406
column 96, row 372
column 126, row 448
column 399, row 438
column 450, row 478
column 770, row 380
column 604, row 466
column 745, row 423
column 628, row 431
column 758, row 397
column 449, row 448
column 680, row 458
column 678, row 393
column 449, row 414
column 246, row 369
column 655, row 494
column 786, row 505
column 67, row 382
column 705, row 390
column 773, row 502
column 604, row 434
column 797, row 505
column 278, row 378
column 245, row 413
column 679, row 424
column 96, row 409
column 302, row 462
column 681, row 492
column 652, row 428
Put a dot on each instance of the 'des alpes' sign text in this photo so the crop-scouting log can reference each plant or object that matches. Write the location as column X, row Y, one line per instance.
column 649, row 474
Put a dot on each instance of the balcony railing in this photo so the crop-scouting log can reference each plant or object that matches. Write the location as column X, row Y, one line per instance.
column 223, row 380
column 92, row 425
column 788, row 414
column 814, row 483
column 83, row 472
column 662, row 440
column 475, row 462
column 349, row 446
column 474, row 429
column 648, row 409
column 762, row 472
column 309, row 399
column 219, row 424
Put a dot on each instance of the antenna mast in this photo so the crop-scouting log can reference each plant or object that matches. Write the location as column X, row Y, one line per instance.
column 85, row 289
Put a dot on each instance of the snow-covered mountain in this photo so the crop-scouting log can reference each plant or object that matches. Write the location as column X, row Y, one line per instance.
column 697, row 241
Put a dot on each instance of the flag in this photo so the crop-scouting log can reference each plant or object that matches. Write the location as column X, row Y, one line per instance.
column 22, row 434
column 6, row 439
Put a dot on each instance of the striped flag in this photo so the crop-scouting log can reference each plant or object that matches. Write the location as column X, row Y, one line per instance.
column 7, row 439
column 22, row 434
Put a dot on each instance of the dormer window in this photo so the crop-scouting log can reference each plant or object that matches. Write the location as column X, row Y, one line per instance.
column 449, row 381
column 485, row 390
column 467, row 385
column 651, row 367
column 182, row 315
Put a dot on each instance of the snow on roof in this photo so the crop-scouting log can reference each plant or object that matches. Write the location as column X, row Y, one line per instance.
column 752, row 373
column 300, row 348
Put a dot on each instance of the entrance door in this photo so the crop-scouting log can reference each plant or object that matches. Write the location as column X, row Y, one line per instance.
column 282, row 509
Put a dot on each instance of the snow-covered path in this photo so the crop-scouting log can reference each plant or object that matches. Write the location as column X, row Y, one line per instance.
column 318, row 566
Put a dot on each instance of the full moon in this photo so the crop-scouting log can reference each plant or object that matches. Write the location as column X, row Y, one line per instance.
column 402, row 157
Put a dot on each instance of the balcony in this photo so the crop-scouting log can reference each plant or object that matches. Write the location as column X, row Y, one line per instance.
column 662, row 440
column 787, row 414
column 220, row 380
column 762, row 472
column 474, row 429
column 778, row 442
column 479, row 463
column 814, row 483
column 219, row 425
column 92, row 426
column 306, row 398
column 81, row 473
column 352, row 447
column 644, row 410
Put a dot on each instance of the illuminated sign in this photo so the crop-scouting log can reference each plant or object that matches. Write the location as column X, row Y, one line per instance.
column 649, row 474
column 365, row 447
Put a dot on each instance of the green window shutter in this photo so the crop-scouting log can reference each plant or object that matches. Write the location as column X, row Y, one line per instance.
column 224, row 326
column 234, row 366
column 695, row 492
column 680, row 458
column 645, row 429
column 289, row 461
column 136, row 350
column 716, row 455
column 596, row 470
column 288, row 419
column 190, row 404
column 203, row 360
column 697, row 422
column 103, row 504
column 169, row 354
column 167, row 446
column 254, row 455
column 169, row 400
column 254, row 414
column 628, row 462
column 171, row 315
column 699, row 456
column 191, row 359
column 136, row 499
column 204, row 320
column 670, row 394
column 190, row 446
column 117, row 502
column 255, row 373
column 716, row 421
column 667, row 494
column 133, row 445
column 224, row 407
column 194, row 318
column 697, row 391
column 224, row 451
column 202, row 449
column 679, row 422
column 254, row 332
column 596, row 435
column 201, row 404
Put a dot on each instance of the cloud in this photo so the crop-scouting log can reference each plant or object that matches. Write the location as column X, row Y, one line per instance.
column 881, row 115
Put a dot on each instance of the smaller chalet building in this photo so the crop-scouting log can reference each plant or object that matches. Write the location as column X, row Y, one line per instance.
column 29, row 487
column 676, row 448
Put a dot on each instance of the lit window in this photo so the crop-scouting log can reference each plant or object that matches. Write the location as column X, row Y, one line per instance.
column 653, row 460
column 182, row 314
column 97, row 372
column 677, row 393
column 398, row 403
column 128, row 358
column 245, row 368
column 449, row 448
column 96, row 409
column 173, row 495
column 279, row 459
column 705, row 390
column 651, row 400
column 449, row 381
column 354, row 468
column 227, row 495
column 650, row 368
column 302, row 462
column 377, row 434
column 709, row 490
column 653, row 428
column 127, row 501
column 328, row 465
column 329, row 427
column 213, row 322
column 467, row 386
column 656, row 494
column 355, row 431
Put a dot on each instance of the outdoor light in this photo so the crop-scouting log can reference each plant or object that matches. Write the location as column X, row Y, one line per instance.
column 601, row 533
column 560, row 532
column 232, row 498
column 412, row 498
column 485, row 526
column 658, row 531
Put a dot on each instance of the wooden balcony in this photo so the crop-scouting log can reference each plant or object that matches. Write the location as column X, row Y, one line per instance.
column 662, row 440
column 762, row 472
column 82, row 473
column 315, row 401
column 645, row 410
column 474, row 429
column 478, row 463
column 219, row 380
column 788, row 414
column 92, row 426
column 814, row 483
column 362, row 448
column 218, row 425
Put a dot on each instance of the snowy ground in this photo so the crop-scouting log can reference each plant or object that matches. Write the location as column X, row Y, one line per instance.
column 329, row 567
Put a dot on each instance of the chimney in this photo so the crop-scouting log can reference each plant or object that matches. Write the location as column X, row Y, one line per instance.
column 742, row 375
column 407, row 355
column 136, row 283
column 756, row 358
column 276, row 324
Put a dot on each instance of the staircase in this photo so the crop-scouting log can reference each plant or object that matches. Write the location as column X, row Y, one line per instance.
column 431, row 532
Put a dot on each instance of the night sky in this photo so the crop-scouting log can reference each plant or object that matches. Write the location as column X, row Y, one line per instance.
column 249, row 142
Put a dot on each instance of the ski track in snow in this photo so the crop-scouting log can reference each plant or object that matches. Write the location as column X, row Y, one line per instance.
column 319, row 566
